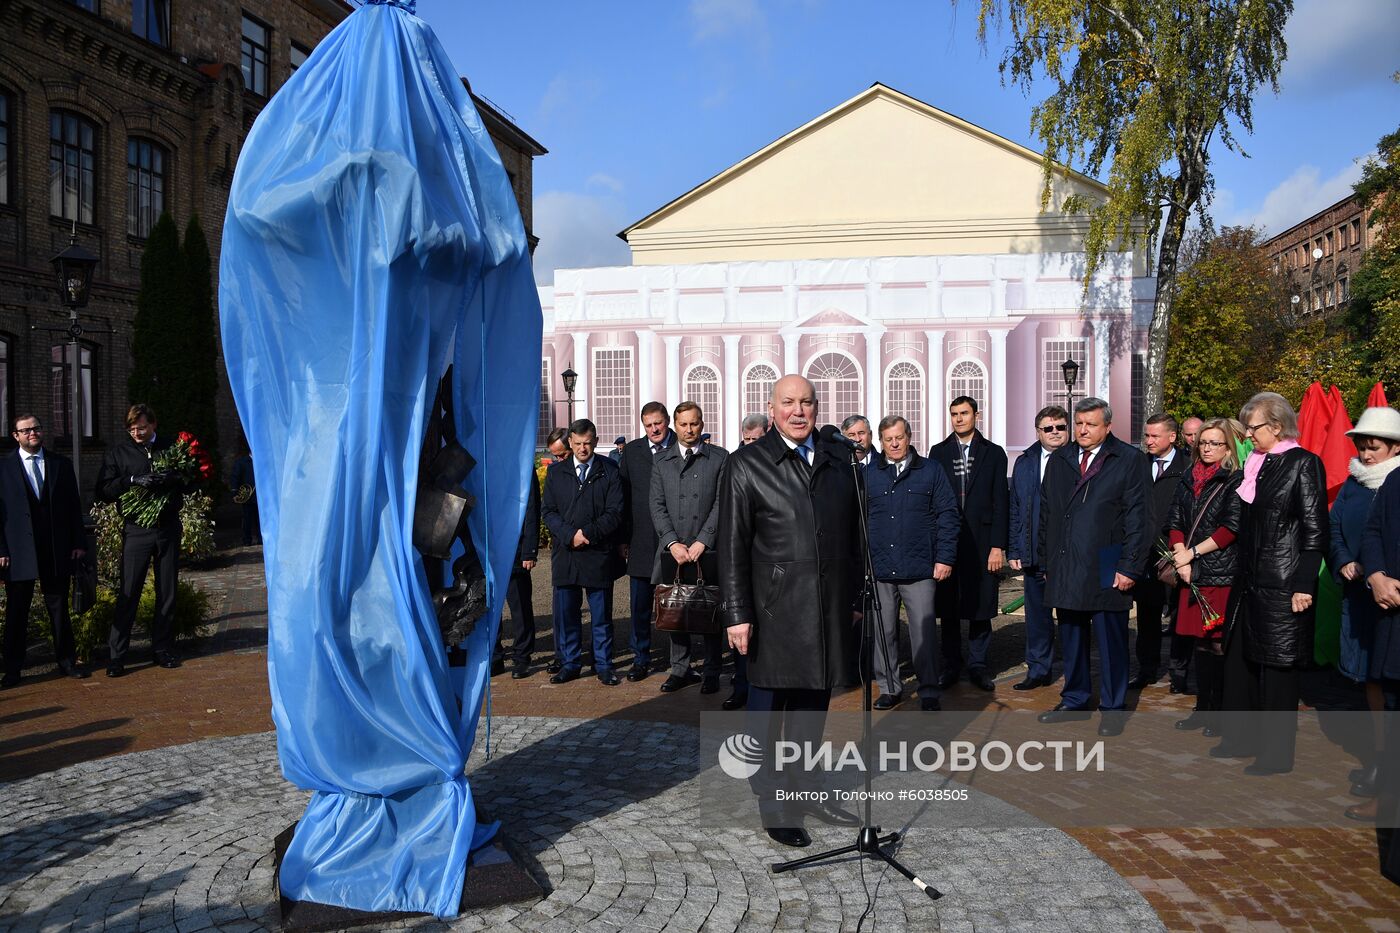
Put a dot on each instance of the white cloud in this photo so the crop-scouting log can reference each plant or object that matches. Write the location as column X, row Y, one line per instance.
column 720, row 19
column 1340, row 42
column 577, row 231
column 1294, row 199
column 604, row 181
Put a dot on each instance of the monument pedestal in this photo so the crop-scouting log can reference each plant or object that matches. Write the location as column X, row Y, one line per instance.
column 495, row 876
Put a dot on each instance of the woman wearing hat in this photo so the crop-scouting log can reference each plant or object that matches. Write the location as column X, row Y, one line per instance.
column 1377, row 439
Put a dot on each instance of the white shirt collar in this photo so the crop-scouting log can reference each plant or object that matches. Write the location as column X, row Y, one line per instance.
column 1166, row 458
column 36, row 456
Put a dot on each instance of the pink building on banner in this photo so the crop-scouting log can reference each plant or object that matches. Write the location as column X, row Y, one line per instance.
column 890, row 252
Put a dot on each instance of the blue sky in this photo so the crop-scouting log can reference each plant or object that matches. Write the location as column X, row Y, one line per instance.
column 637, row 102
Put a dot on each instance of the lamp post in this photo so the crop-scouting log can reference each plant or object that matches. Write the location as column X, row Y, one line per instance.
column 74, row 267
column 570, row 381
column 1069, row 369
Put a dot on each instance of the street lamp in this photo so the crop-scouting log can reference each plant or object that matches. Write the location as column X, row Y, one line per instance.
column 1069, row 369
column 74, row 267
column 570, row 381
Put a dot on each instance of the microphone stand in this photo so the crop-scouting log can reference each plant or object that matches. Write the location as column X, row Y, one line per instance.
column 869, row 843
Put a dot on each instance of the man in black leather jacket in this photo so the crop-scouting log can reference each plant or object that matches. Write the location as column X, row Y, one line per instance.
column 127, row 464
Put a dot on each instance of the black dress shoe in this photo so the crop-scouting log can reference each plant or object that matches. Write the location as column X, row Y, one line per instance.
column 564, row 676
column 608, row 679
column 555, row 666
column 638, row 672
column 790, row 836
column 709, row 684
column 1210, row 732
column 520, row 671
column 888, row 700
column 931, row 705
column 1365, row 784
column 1228, row 749
column 676, row 682
column 948, row 678
column 981, row 680
column 737, row 700
column 167, row 661
column 1062, row 713
column 1142, row 681
column 1178, row 689
column 1194, row 721
column 8, row 681
column 1032, row 683
column 833, row 816
column 1112, row 722
column 116, row 669
column 1260, row 769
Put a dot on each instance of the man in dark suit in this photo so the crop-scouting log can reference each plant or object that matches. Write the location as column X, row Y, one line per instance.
column 789, row 577
column 639, row 537
column 520, row 589
column 1093, row 534
column 1169, row 464
column 582, row 508
column 1052, row 433
column 976, row 469
column 684, row 502
column 857, row 428
column 43, row 539
column 127, row 464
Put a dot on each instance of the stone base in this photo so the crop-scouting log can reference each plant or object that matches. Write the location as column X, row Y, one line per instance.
column 495, row 876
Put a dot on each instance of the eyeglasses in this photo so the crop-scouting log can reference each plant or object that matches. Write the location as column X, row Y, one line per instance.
column 1055, row 428
column 34, row 430
column 1212, row 443
column 1251, row 428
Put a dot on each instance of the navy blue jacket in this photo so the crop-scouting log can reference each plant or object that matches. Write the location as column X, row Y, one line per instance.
column 1025, row 507
column 595, row 508
column 1380, row 551
column 913, row 519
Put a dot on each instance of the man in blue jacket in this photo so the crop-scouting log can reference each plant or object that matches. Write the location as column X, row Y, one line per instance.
column 1094, row 531
column 1380, row 556
column 582, row 508
column 914, row 520
column 1052, row 432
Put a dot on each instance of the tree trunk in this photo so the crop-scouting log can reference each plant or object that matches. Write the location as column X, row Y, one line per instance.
column 1157, row 335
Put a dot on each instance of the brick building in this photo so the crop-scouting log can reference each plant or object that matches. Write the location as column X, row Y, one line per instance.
column 110, row 112
column 1318, row 256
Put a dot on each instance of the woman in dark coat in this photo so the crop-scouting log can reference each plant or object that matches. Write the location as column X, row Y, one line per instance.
column 1380, row 555
column 1204, row 522
column 1269, row 635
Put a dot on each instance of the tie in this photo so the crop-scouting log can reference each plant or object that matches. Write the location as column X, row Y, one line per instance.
column 1161, row 465
column 582, row 472
column 805, row 453
column 37, row 477
column 654, row 449
column 899, row 469
column 1084, row 462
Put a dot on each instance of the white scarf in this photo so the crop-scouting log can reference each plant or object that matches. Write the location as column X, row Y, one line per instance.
column 1372, row 476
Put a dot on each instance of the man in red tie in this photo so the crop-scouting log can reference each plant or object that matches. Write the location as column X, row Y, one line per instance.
column 1094, row 535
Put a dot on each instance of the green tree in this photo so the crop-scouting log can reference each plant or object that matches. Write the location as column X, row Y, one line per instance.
column 158, row 339
column 1143, row 87
column 1375, row 288
column 202, row 350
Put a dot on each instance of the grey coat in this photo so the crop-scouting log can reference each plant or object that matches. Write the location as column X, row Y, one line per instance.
column 685, row 499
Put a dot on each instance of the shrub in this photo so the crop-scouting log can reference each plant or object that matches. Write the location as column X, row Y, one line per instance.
column 196, row 540
column 90, row 629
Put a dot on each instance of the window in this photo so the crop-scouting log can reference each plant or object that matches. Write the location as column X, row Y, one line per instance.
column 254, row 56
column 1342, row 237
column 1328, row 250
column 614, row 411
column 150, row 19
column 1136, row 420
column 61, row 393
column 967, row 377
column 6, row 121
column 1356, row 233
column 297, row 56
column 702, row 388
column 758, row 388
column 72, row 166
column 1053, row 354
column 1342, row 293
column 145, row 186
column 837, row 381
column 546, row 409
column 904, row 396
column 5, row 394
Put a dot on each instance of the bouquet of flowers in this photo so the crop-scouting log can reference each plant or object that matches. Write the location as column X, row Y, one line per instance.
column 183, row 463
column 1210, row 619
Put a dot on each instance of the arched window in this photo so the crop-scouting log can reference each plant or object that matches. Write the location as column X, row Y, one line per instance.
column 967, row 377
column 904, row 396
column 146, row 164
column 546, row 424
column 72, row 166
column 758, row 388
column 702, row 388
column 837, row 379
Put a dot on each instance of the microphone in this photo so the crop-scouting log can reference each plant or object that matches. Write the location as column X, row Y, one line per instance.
column 831, row 434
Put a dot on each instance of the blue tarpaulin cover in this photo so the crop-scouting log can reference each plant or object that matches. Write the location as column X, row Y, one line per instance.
column 372, row 239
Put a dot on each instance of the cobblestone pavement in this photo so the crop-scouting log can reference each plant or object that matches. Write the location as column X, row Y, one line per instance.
column 180, row 839
column 1192, row 878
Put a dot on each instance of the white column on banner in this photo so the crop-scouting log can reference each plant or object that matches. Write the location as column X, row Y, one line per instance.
column 790, row 358
column 729, row 435
column 937, row 379
column 873, row 356
column 582, row 390
column 1102, row 357
column 673, row 371
column 999, row 386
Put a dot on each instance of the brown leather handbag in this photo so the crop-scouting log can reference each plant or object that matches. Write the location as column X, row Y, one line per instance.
column 687, row 608
column 1166, row 566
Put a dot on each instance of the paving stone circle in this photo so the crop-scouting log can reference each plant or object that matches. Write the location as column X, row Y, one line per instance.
column 181, row 839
